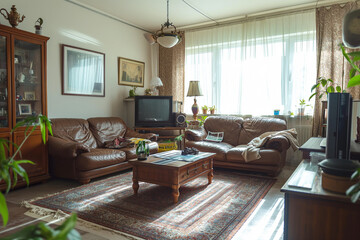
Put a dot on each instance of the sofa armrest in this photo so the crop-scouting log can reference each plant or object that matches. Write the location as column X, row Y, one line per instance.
column 65, row 148
column 279, row 143
column 133, row 134
column 195, row 134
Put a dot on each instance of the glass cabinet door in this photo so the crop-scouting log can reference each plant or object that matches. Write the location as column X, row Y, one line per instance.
column 4, row 111
column 27, row 74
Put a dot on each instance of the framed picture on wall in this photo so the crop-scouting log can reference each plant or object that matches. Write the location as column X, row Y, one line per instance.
column 83, row 72
column 130, row 72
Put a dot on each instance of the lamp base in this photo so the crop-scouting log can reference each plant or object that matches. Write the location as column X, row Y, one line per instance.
column 195, row 109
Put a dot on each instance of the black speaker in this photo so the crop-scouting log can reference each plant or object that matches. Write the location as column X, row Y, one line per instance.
column 180, row 119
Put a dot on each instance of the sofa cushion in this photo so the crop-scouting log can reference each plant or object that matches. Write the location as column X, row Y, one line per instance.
column 254, row 127
column 230, row 125
column 73, row 129
column 268, row 156
column 98, row 158
column 107, row 129
column 219, row 148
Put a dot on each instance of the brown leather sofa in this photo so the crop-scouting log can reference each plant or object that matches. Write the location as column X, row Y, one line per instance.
column 237, row 133
column 76, row 151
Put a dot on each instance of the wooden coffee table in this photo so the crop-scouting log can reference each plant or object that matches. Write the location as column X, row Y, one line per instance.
column 172, row 174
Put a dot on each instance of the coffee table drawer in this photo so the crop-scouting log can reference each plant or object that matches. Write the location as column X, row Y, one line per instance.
column 193, row 171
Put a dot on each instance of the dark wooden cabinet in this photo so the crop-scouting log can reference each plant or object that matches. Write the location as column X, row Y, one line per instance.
column 317, row 213
column 23, row 94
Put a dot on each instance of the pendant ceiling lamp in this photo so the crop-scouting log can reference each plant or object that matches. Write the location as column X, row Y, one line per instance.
column 167, row 36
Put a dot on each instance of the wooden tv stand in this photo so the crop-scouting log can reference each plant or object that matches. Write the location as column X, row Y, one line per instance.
column 317, row 213
column 160, row 130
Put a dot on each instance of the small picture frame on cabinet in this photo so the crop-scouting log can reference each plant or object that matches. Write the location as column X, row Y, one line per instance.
column 29, row 95
column 25, row 109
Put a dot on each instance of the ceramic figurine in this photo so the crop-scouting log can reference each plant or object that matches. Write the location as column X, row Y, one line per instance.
column 13, row 17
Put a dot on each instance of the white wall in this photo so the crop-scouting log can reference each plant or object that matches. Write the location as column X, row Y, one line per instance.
column 67, row 23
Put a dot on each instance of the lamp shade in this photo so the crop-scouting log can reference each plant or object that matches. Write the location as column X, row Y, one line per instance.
column 351, row 29
column 168, row 40
column 194, row 89
column 156, row 82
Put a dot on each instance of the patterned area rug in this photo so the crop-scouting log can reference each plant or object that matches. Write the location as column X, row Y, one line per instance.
column 214, row 211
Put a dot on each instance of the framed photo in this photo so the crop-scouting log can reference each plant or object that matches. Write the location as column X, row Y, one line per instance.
column 83, row 72
column 131, row 72
column 25, row 109
column 29, row 95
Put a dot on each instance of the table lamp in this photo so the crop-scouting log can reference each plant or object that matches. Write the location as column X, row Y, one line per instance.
column 155, row 83
column 194, row 90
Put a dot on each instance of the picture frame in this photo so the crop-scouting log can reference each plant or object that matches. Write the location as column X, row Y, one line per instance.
column 29, row 96
column 83, row 72
column 131, row 72
column 25, row 109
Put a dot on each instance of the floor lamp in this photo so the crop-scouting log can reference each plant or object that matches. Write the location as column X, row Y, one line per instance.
column 194, row 91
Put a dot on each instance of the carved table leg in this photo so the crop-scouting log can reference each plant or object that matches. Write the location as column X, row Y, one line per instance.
column 175, row 192
column 211, row 173
column 135, row 185
column 210, row 176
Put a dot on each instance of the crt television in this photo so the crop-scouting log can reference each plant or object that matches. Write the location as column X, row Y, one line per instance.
column 153, row 111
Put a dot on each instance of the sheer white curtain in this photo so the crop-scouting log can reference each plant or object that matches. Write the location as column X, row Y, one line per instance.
column 253, row 67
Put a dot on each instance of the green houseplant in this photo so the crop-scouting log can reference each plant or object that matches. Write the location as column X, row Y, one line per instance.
column 8, row 163
column 204, row 109
column 142, row 150
column 212, row 109
column 303, row 105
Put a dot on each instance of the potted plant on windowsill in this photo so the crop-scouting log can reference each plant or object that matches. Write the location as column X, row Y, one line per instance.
column 204, row 109
column 303, row 105
column 212, row 109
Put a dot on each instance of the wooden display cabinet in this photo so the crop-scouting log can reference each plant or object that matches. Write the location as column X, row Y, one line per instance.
column 23, row 94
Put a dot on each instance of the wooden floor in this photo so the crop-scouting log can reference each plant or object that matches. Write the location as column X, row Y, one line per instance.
column 265, row 222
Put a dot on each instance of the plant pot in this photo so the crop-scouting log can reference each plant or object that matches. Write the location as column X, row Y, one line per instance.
column 142, row 156
column 212, row 111
column 301, row 111
column 204, row 111
column 38, row 29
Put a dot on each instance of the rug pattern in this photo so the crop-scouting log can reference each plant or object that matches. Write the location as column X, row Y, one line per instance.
column 204, row 211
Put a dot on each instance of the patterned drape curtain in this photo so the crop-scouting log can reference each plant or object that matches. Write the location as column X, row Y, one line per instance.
column 172, row 71
column 330, row 61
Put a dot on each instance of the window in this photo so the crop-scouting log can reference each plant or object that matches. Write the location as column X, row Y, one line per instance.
column 254, row 67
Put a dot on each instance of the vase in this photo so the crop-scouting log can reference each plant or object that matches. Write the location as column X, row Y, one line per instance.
column 301, row 111
column 142, row 156
column 38, row 29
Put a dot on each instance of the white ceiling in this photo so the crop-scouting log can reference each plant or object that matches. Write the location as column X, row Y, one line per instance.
column 150, row 14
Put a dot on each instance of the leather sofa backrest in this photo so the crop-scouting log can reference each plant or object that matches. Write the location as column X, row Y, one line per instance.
column 107, row 129
column 228, row 124
column 74, row 129
column 254, row 127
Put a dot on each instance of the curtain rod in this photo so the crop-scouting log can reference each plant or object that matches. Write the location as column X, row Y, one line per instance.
column 263, row 15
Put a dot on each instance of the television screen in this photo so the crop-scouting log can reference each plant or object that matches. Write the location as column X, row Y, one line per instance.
column 153, row 111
